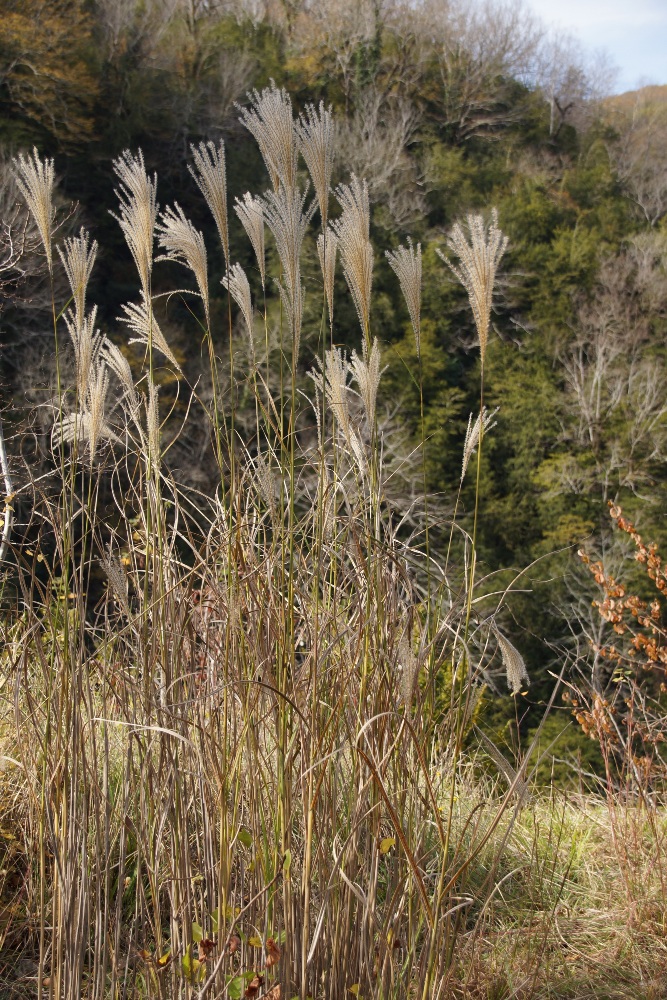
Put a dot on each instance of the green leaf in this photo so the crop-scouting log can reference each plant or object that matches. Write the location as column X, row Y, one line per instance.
column 245, row 837
column 214, row 920
column 287, row 862
column 235, row 987
column 197, row 933
column 255, row 942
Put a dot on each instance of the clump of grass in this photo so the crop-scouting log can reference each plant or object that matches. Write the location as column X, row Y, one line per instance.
column 235, row 772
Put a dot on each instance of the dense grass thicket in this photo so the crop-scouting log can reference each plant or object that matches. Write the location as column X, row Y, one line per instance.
column 305, row 689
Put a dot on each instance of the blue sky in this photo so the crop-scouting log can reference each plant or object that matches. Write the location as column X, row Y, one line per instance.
column 633, row 33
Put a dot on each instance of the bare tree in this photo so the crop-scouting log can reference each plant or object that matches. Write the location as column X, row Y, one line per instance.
column 572, row 81
column 19, row 241
column 640, row 155
column 615, row 421
column 481, row 49
column 373, row 142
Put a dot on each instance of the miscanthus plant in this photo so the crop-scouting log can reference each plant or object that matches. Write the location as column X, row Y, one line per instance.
column 232, row 772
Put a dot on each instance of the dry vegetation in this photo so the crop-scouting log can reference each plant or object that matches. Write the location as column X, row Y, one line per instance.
column 244, row 764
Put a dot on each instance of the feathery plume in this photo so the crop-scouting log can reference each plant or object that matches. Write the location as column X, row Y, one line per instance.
column 521, row 789
column 185, row 245
column 210, row 174
column 287, row 217
column 332, row 381
column 270, row 121
column 356, row 251
column 78, row 257
column 88, row 423
column 87, row 343
column 116, row 362
column 316, row 135
column 266, row 483
column 473, row 435
column 327, row 249
column 408, row 664
column 251, row 213
column 138, row 212
column 35, row 179
column 141, row 320
column 117, row 580
column 366, row 372
column 153, row 421
column 478, row 264
column 97, row 428
column 236, row 283
column 406, row 263
column 515, row 668
column 292, row 301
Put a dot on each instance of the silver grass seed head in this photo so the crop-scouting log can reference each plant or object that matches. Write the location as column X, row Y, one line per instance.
column 136, row 194
column 332, row 380
column 117, row 363
column 88, row 424
column 153, row 422
column 316, row 135
column 269, row 119
column 250, row 211
column 479, row 255
column 78, row 256
column 291, row 297
column 287, row 217
column 141, row 320
column 327, row 250
column 356, row 251
column 87, row 343
column 210, row 175
column 366, row 372
column 184, row 244
column 35, row 179
column 515, row 668
column 117, row 580
column 236, row 283
column 473, row 434
column 406, row 263
column 408, row 664
column 97, row 396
